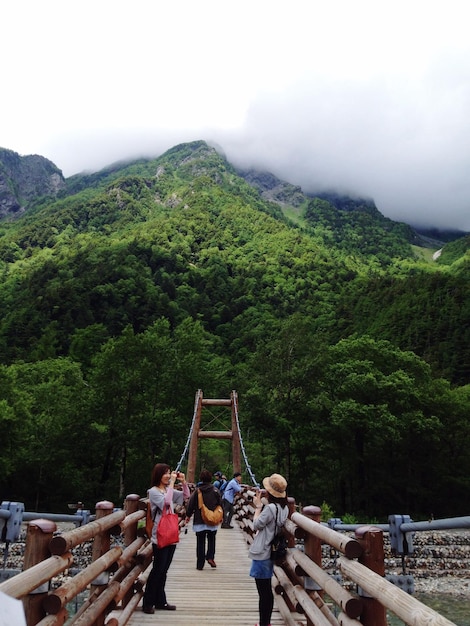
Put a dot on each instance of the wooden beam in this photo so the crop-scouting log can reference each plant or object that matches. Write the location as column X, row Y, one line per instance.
column 404, row 606
column 215, row 434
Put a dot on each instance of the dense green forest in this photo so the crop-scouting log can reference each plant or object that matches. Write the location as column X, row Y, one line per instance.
column 139, row 284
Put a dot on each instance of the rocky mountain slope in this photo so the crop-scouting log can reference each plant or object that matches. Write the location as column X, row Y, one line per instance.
column 24, row 179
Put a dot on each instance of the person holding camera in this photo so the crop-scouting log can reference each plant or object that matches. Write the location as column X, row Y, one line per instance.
column 269, row 517
column 161, row 494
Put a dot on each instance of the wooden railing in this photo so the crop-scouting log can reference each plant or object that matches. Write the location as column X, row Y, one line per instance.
column 116, row 575
column 303, row 586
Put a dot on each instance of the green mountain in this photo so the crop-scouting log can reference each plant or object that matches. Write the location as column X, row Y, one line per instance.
column 129, row 288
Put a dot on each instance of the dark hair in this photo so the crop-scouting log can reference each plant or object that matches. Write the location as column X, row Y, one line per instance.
column 205, row 476
column 281, row 501
column 157, row 473
column 237, row 474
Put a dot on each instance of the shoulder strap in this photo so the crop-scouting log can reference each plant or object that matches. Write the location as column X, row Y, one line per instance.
column 277, row 528
column 275, row 514
column 200, row 499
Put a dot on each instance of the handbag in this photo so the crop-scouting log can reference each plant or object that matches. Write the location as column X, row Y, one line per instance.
column 209, row 516
column 168, row 529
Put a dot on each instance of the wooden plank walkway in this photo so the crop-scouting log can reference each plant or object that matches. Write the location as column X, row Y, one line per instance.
column 224, row 595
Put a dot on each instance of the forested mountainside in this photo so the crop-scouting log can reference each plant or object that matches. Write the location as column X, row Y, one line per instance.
column 131, row 288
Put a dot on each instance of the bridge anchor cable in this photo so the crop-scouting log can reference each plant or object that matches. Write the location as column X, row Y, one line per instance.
column 242, row 447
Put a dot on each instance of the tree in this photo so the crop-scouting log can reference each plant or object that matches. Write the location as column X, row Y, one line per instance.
column 376, row 398
column 44, row 404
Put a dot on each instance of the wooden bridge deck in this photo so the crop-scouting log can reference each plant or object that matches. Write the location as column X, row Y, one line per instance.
column 224, row 595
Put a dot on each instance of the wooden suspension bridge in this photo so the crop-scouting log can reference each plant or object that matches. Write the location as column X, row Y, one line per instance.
column 225, row 595
column 115, row 578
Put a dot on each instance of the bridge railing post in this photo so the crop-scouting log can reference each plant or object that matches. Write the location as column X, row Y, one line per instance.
column 373, row 557
column 312, row 547
column 101, row 545
column 291, row 505
column 38, row 536
column 131, row 505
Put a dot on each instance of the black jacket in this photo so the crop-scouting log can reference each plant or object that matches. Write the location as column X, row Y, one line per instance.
column 211, row 497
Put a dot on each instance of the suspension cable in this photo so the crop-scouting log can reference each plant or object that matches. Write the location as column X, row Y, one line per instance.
column 242, row 447
column 185, row 451
column 248, row 467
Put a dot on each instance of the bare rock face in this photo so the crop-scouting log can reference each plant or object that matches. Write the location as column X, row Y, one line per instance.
column 24, row 179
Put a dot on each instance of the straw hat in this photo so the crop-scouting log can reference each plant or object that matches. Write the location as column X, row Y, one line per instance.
column 275, row 485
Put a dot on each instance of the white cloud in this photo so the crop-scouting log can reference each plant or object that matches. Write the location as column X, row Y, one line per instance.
column 366, row 96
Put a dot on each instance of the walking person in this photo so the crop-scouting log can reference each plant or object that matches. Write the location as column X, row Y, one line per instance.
column 267, row 521
column 162, row 494
column 220, row 482
column 205, row 534
column 231, row 490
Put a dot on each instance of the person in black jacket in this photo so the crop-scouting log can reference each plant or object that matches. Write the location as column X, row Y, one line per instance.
column 211, row 497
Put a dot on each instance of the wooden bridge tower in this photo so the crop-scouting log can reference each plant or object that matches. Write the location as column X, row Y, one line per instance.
column 198, row 432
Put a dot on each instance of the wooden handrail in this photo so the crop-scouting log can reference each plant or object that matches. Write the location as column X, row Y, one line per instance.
column 132, row 519
column 348, row 546
column 352, row 606
column 68, row 540
column 407, row 608
column 58, row 598
column 131, row 566
column 32, row 578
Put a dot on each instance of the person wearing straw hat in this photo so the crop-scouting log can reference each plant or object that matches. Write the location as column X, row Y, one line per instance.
column 268, row 519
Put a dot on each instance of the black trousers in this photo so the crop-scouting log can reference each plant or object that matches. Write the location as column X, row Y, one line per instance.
column 228, row 512
column 266, row 600
column 201, row 553
column 154, row 594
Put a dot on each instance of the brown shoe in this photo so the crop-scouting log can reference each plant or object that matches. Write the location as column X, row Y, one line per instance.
column 148, row 609
column 211, row 562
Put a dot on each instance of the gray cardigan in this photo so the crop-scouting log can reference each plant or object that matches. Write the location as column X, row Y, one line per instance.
column 265, row 526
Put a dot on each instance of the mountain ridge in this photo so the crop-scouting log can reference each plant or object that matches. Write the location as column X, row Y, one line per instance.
column 131, row 288
column 26, row 179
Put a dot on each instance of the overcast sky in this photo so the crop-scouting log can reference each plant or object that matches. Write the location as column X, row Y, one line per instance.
column 366, row 97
